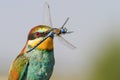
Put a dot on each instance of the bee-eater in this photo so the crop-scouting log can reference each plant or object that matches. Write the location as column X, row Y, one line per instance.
column 38, row 63
column 36, row 60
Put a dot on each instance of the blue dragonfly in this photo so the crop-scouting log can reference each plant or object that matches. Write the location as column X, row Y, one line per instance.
column 47, row 20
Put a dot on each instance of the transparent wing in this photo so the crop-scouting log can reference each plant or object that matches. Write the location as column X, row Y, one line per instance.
column 47, row 15
column 65, row 42
column 48, row 21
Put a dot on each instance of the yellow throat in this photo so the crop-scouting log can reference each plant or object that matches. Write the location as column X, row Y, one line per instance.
column 45, row 45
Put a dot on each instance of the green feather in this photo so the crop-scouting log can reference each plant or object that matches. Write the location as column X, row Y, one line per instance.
column 19, row 66
column 35, row 65
column 41, row 64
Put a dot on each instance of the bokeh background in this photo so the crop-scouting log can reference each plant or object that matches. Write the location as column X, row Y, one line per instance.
column 96, row 26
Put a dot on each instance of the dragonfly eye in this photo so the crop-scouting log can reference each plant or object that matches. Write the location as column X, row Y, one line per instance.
column 64, row 30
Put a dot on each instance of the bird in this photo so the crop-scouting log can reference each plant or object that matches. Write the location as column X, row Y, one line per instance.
column 36, row 60
column 36, row 64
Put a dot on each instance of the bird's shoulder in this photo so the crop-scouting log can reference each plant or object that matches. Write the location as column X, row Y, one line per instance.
column 18, row 67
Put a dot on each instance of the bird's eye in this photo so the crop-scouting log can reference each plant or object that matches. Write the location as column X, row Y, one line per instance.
column 37, row 34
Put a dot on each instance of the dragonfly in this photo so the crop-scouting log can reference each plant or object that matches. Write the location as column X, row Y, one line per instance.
column 47, row 20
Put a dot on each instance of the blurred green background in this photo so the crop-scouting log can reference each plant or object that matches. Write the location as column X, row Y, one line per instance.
column 96, row 26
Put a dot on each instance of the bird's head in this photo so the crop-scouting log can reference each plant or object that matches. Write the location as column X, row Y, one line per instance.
column 41, row 37
column 37, row 34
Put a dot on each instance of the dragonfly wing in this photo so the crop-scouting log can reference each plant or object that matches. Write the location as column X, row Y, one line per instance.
column 65, row 42
column 48, row 21
column 47, row 15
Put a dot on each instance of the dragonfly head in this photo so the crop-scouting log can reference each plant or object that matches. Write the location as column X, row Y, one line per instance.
column 65, row 31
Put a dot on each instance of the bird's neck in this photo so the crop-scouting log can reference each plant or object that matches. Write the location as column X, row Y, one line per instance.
column 36, row 52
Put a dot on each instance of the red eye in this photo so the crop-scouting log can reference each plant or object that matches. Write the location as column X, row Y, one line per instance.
column 37, row 34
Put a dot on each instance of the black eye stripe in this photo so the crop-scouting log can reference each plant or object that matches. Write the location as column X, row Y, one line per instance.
column 42, row 34
column 31, row 37
column 37, row 35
